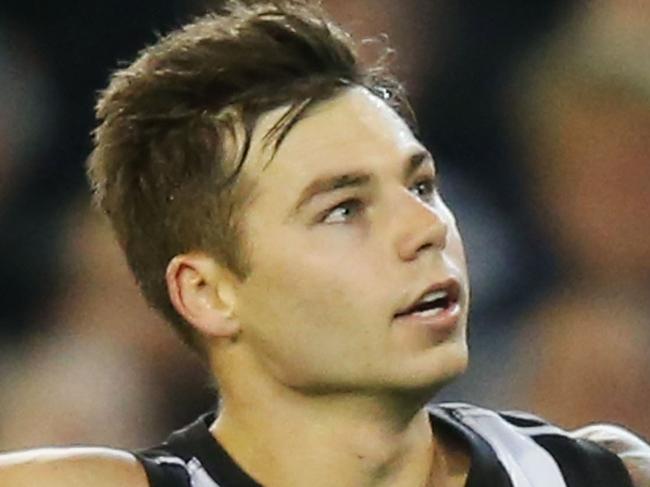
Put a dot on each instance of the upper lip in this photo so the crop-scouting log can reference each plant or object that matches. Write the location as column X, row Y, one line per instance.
column 451, row 285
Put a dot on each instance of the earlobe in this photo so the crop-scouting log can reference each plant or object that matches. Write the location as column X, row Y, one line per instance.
column 203, row 293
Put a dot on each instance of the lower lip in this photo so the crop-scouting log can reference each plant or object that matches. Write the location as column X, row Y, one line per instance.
column 444, row 321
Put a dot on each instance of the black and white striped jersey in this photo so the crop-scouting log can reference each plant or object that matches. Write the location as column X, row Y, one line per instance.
column 507, row 450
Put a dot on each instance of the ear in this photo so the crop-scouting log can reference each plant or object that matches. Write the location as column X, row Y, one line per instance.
column 203, row 292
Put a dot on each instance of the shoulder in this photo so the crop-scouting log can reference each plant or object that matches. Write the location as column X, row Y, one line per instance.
column 595, row 452
column 71, row 467
column 632, row 450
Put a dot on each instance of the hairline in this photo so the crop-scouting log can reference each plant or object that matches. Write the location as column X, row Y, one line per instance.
column 294, row 112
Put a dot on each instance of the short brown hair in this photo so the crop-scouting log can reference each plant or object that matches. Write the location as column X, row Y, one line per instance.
column 160, row 169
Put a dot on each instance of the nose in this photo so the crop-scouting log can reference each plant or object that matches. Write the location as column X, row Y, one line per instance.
column 422, row 227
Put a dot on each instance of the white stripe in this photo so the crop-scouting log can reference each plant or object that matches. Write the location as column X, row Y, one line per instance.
column 527, row 464
column 545, row 429
column 539, row 429
column 199, row 477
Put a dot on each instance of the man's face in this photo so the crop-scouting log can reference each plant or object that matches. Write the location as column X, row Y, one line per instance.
column 345, row 230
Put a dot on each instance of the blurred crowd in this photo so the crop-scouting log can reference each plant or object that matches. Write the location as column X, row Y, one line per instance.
column 538, row 114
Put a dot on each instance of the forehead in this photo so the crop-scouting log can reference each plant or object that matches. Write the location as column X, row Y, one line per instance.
column 354, row 130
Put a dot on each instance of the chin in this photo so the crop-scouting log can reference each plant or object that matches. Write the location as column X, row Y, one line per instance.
column 432, row 373
column 415, row 377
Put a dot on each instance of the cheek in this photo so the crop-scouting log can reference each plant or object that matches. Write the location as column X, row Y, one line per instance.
column 314, row 270
column 290, row 293
column 307, row 310
column 455, row 242
column 457, row 250
column 302, row 329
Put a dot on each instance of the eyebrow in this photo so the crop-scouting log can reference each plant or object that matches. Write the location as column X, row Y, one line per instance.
column 328, row 184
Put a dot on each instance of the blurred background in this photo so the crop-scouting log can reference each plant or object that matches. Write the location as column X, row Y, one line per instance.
column 538, row 114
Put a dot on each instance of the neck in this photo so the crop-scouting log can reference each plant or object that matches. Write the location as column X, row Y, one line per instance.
column 284, row 437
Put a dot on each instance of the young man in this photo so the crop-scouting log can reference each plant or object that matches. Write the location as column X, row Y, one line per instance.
column 275, row 205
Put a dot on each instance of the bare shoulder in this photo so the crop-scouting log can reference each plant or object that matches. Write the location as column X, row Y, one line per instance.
column 71, row 467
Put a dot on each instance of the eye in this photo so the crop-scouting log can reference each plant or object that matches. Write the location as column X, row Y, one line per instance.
column 425, row 189
column 342, row 212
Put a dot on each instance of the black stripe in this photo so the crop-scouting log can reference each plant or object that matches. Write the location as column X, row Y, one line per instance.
column 162, row 475
column 485, row 469
column 585, row 464
column 196, row 441
column 523, row 420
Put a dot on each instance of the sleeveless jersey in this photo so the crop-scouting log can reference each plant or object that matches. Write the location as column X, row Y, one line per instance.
column 507, row 449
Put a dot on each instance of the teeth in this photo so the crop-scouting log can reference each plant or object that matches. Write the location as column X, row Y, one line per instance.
column 429, row 312
column 431, row 304
column 432, row 296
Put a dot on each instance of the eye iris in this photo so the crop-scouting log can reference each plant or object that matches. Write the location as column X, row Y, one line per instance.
column 348, row 208
column 342, row 212
column 424, row 189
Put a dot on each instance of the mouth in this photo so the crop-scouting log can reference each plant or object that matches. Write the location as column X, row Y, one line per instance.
column 437, row 306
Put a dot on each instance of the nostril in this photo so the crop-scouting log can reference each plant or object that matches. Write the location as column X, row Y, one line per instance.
column 426, row 246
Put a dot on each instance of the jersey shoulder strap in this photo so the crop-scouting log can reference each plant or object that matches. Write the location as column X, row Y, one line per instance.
column 536, row 453
column 164, row 469
column 188, row 458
